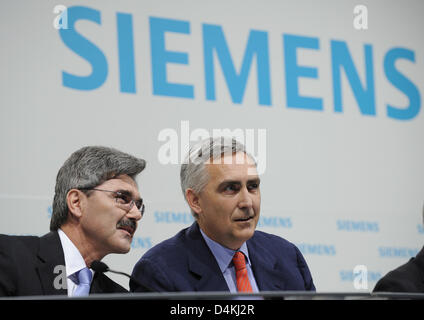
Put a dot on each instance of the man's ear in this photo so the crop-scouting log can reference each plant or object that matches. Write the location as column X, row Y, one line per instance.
column 74, row 200
column 193, row 200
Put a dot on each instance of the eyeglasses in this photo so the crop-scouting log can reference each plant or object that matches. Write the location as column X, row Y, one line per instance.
column 123, row 200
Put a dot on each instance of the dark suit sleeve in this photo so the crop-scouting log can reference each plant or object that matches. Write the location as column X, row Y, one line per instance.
column 390, row 285
column 394, row 281
column 8, row 274
column 409, row 277
column 150, row 277
column 304, row 270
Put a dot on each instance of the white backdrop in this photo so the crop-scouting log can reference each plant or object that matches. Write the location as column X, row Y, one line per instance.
column 340, row 107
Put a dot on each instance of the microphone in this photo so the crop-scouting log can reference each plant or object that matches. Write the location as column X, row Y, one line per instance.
column 99, row 266
column 102, row 267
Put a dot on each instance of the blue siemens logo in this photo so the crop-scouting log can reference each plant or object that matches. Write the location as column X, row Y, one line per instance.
column 275, row 222
column 349, row 276
column 141, row 243
column 173, row 217
column 317, row 249
column 397, row 252
column 217, row 55
column 187, row 218
column 357, row 226
column 420, row 228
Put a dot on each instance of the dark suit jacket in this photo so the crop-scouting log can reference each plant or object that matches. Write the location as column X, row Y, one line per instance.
column 185, row 263
column 406, row 278
column 27, row 266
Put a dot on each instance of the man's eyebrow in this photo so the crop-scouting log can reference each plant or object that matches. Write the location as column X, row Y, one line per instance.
column 255, row 180
column 127, row 193
column 227, row 182
column 230, row 182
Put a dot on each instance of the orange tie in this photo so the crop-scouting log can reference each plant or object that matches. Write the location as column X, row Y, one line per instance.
column 243, row 283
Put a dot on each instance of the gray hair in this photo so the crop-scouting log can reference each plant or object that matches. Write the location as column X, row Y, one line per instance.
column 89, row 167
column 193, row 174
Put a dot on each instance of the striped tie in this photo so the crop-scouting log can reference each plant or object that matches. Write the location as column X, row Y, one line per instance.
column 243, row 283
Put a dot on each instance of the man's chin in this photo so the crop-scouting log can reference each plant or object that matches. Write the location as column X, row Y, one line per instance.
column 245, row 234
column 122, row 249
column 123, row 245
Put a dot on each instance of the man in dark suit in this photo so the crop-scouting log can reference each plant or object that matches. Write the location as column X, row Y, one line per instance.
column 409, row 277
column 221, row 251
column 96, row 209
column 406, row 278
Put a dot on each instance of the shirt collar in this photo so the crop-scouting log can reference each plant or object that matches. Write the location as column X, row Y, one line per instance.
column 74, row 261
column 223, row 255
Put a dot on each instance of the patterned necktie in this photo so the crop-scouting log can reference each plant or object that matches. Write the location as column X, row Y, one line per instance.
column 243, row 283
column 84, row 281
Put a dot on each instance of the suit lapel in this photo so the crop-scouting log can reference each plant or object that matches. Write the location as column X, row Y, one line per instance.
column 51, row 265
column 264, row 267
column 102, row 284
column 202, row 264
column 97, row 283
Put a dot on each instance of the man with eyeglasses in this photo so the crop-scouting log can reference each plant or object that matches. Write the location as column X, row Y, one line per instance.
column 96, row 209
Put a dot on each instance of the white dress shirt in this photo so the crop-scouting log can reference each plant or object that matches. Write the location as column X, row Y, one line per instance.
column 74, row 262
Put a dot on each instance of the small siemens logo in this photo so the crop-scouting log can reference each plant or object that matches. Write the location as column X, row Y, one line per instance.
column 141, row 243
column 275, row 222
column 173, row 217
column 420, row 228
column 187, row 218
column 349, row 275
column 357, row 226
column 397, row 252
column 317, row 249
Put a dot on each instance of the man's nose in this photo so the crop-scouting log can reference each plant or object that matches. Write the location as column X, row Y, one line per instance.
column 246, row 200
column 134, row 213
